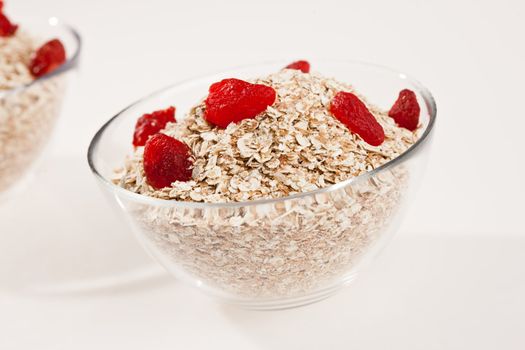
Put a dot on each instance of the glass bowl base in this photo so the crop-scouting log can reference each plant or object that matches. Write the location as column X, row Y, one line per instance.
column 291, row 302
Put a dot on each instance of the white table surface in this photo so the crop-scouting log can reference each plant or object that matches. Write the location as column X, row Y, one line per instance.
column 72, row 277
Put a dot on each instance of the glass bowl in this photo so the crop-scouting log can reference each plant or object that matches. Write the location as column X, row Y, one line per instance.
column 29, row 112
column 277, row 253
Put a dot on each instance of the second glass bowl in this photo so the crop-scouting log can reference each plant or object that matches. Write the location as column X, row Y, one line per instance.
column 28, row 113
column 277, row 253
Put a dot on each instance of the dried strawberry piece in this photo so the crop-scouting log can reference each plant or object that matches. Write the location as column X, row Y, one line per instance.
column 352, row 112
column 303, row 66
column 232, row 100
column 48, row 58
column 166, row 160
column 405, row 110
column 7, row 28
column 151, row 123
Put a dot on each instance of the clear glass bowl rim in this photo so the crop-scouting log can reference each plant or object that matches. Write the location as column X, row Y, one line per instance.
column 422, row 90
column 71, row 62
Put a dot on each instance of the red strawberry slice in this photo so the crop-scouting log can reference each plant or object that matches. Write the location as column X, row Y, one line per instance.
column 47, row 58
column 352, row 112
column 166, row 160
column 405, row 110
column 151, row 123
column 302, row 65
column 232, row 100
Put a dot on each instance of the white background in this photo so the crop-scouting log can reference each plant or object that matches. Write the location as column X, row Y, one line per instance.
column 453, row 278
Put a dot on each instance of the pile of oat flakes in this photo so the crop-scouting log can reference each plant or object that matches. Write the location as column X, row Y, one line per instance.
column 15, row 55
column 295, row 146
